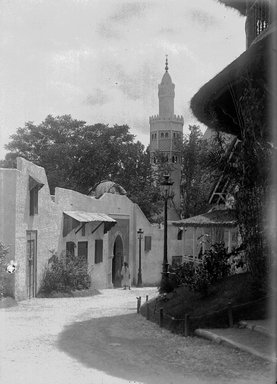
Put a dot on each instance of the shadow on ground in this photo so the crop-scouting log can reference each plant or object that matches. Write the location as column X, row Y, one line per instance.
column 131, row 348
column 107, row 345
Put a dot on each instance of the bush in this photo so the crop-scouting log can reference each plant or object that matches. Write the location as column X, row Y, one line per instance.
column 213, row 268
column 65, row 274
column 3, row 253
column 199, row 277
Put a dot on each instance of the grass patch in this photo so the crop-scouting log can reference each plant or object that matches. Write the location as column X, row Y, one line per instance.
column 211, row 310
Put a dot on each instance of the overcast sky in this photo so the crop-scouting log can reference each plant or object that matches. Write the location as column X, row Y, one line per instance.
column 101, row 60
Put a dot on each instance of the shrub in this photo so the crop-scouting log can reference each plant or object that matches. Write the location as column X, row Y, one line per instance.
column 213, row 268
column 3, row 253
column 199, row 277
column 65, row 274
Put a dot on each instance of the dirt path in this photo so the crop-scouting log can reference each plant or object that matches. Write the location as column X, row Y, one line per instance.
column 101, row 340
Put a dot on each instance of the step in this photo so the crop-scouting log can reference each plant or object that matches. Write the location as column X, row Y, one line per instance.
column 255, row 343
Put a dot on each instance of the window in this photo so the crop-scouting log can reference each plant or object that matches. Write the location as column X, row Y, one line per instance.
column 155, row 135
column 147, row 243
column 174, row 134
column 98, row 251
column 152, row 136
column 83, row 251
column 154, row 160
column 180, row 234
column 34, row 201
column 34, row 186
column 70, row 248
column 176, row 260
column 166, row 134
column 162, row 135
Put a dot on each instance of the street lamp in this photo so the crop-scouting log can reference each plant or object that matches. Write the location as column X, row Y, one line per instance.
column 140, row 235
column 166, row 189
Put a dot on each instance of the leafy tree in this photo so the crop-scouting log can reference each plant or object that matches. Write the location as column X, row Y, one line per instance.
column 197, row 179
column 250, row 179
column 79, row 156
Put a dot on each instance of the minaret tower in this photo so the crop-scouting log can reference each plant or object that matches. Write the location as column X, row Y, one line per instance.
column 166, row 132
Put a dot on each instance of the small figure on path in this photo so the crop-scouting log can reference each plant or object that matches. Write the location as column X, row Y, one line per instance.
column 126, row 277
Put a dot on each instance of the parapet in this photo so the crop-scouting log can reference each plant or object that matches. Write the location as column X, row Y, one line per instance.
column 175, row 118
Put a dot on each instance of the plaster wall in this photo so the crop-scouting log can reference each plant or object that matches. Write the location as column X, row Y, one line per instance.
column 98, row 271
column 7, row 219
column 119, row 207
column 152, row 260
column 47, row 223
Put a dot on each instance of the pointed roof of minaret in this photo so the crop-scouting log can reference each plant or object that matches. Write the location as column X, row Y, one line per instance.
column 166, row 80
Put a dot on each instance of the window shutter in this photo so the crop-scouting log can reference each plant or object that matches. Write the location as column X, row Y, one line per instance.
column 147, row 243
column 98, row 251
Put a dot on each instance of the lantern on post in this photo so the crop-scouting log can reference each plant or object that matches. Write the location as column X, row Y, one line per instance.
column 166, row 190
column 140, row 236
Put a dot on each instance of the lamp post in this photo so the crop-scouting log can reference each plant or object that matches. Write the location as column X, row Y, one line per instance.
column 166, row 185
column 140, row 235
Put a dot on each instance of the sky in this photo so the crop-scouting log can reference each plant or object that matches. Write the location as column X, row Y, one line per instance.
column 101, row 60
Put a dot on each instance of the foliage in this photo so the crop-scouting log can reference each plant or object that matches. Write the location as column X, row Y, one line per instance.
column 199, row 277
column 196, row 177
column 249, row 177
column 79, row 156
column 3, row 254
column 168, row 283
column 65, row 274
column 213, row 268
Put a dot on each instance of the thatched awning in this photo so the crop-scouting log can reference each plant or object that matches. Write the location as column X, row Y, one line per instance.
column 216, row 103
column 216, row 218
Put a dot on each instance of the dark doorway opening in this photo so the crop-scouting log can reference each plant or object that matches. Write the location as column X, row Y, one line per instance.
column 31, row 263
column 117, row 262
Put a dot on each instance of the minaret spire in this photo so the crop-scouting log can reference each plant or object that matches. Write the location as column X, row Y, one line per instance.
column 166, row 63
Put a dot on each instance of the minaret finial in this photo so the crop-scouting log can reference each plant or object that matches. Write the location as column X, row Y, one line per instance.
column 166, row 63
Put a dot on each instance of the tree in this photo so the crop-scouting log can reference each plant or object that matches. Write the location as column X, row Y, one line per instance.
column 250, row 178
column 79, row 156
column 196, row 177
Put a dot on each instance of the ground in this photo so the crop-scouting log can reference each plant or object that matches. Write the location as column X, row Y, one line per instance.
column 102, row 340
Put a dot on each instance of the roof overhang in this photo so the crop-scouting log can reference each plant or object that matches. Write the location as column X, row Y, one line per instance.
column 82, row 217
column 216, row 103
column 216, row 218
column 34, row 182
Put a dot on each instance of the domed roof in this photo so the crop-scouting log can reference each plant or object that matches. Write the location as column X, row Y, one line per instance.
column 109, row 187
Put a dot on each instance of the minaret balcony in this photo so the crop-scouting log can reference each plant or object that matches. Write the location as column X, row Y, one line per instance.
column 176, row 118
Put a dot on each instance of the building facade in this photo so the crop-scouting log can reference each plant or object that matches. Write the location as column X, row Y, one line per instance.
column 101, row 228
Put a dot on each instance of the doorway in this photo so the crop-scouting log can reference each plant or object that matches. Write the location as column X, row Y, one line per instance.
column 31, row 263
column 117, row 261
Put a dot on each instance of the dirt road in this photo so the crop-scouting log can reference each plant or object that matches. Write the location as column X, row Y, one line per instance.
column 101, row 340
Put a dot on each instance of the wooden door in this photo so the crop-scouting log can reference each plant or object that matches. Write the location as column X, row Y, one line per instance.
column 31, row 263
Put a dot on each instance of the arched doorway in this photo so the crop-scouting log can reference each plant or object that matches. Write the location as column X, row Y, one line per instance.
column 117, row 261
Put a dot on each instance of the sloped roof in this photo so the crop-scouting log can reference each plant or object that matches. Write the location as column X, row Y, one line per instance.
column 87, row 217
column 215, row 103
column 216, row 218
column 73, row 219
column 239, row 5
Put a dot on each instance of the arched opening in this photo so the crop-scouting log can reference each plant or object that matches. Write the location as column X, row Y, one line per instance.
column 117, row 261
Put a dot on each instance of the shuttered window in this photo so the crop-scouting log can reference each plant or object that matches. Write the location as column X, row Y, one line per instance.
column 98, row 251
column 147, row 243
column 34, row 201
